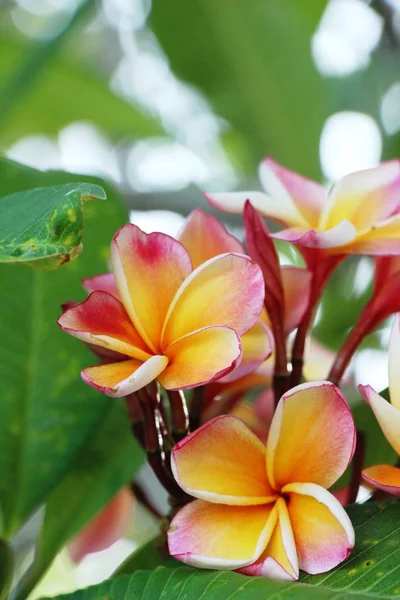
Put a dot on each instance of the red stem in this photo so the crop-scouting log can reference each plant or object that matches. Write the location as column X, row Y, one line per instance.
column 179, row 414
column 357, row 466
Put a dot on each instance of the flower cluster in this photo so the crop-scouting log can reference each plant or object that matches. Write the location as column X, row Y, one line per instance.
column 249, row 482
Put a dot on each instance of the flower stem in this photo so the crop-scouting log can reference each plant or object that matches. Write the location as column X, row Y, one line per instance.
column 179, row 414
column 196, row 407
column 357, row 466
column 281, row 380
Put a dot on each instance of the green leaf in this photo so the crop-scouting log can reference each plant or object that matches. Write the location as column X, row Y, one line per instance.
column 146, row 557
column 77, row 92
column 253, row 62
column 6, row 569
column 44, row 227
column 371, row 572
column 46, row 411
column 107, row 461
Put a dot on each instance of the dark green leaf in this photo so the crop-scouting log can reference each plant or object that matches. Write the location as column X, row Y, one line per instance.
column 44, row 227
column 6, row 569
column 46, row 411
column 370, row 573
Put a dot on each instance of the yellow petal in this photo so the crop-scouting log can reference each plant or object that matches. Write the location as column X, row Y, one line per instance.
column 387, row 415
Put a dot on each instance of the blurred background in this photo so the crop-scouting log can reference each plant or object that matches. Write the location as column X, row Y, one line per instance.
column 167, row 98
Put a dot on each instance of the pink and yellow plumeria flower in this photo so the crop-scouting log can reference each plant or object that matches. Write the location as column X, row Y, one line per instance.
column 266, row 510
column 387, row 477
column 360, row 214
column 170, row 322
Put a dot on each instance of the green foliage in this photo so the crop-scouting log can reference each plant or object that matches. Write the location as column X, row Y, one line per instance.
column 370, row 572
column 44, row 227
column 6, row 569
column 46, row 411
column 241, row 56
column 147, row 557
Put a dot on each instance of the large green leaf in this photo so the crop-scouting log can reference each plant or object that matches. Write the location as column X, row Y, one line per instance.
column 6, row 569
column 43, row 227
column 253, row 62
column 46, row 411
column 107, row 460
column 371, row 572
column 66, row 91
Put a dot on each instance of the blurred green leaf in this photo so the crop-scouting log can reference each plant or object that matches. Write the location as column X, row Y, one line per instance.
column 46, row 411
column 253, row 62
column 146, row 557
column 44, row 227
column 370, row 572
column 6, row 569
column 67, row 91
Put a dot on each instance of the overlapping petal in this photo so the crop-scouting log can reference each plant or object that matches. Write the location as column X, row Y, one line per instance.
column 322, row 530
column 102, row 320
column 394, row 358
column 148, row 270
column 388, row 416
column 302, row 444
column 296, row 290
column 279, row 559
column 212, row 295
column 229, row 464
column 329, row 239
column 299, row 194
column 217, row 536
column 123, row 378
column 365, row 197
column 384, row 477
column 204, row 237
column 201, row 357
column 101, row 283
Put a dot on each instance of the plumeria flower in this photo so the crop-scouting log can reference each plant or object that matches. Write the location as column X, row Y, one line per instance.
column 106, row 528
column 265, row 510
column 360, row 214
column 170, row 322
column 387, row 477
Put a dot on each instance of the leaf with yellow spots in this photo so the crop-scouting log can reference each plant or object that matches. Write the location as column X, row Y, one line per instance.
column 43, row 227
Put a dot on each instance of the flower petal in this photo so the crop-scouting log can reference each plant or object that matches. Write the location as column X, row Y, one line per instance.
column 101, row 320
column 384, row 477
column 387, row 415
column 318, row 360
column 279, row 559
column 394, row 354
column 226, row 290
column 257, row 346
column 218, row 536
column 204, row 237
column 312, row 436
column 365, row 197
column 323, row 532
column 336, row 237
column 296, row 288
column 223, row 462
column 106, row 528
column 299, row 194
column 101, row 283
column 120, row 379
column 201, row 357
column 148, row 271
column 381, row 239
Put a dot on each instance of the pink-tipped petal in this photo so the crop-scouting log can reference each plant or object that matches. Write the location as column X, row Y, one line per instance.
column 101, row 283
column 219, row 536
column 303, row 198
column 257, row 346
column 226, row 290
column 394, row 363
column 204, row 237
column 384, row 477
column 201, row 357
column 330, row 239
column 296, row 290
column 106, row 528
column 279, row 559
column 222, row 462
column 312, row 436
column 365, row 197
column 382, row 239
column 323, row 532
column 102, row 320
column 123, row 378
column 387, row 415
column 148, row 271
